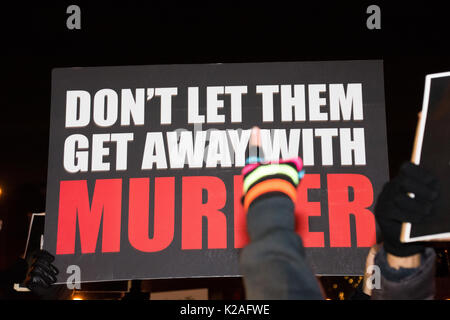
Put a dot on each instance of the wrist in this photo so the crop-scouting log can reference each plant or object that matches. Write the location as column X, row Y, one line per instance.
column 408, row 262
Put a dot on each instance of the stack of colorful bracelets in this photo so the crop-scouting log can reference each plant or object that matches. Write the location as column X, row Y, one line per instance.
column 264, row 179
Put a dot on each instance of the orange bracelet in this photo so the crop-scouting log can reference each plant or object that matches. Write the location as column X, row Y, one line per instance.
column 272, row 185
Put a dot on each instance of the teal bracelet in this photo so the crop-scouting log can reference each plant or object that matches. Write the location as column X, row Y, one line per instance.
column 250, row 160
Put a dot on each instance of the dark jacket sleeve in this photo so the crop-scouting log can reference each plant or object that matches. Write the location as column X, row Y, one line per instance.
column 406, row 284
column 273, row 264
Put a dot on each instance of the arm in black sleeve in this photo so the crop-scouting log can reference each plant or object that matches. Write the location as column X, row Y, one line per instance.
column 274, row 265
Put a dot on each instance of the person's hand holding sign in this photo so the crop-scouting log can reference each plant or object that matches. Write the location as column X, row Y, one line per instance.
column 395, row 205
column 42, row 273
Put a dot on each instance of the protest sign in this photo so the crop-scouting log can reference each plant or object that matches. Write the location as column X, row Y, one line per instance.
column 144, row 164
column 431, row 152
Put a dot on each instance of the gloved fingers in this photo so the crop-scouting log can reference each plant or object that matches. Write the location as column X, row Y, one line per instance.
column 37, row 282
column 385, row 199
column 392, row 214
column 389, row 190
column 418, row 173
column 46, row 266
column 419, row 189
column 411, row 210
column 44, row 255
column 44, row 274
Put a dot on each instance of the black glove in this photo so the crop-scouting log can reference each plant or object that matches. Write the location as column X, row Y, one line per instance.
column 42, row 274
column 395, row 206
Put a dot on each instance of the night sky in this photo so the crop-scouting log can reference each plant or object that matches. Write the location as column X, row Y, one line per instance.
column 34, row 39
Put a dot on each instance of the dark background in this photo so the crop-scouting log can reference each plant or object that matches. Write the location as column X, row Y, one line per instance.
column 34, row 39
